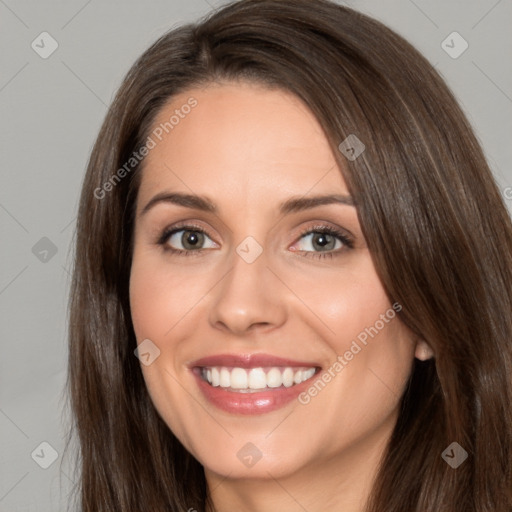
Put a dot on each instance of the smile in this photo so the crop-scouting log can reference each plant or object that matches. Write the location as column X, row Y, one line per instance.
column 251, row 383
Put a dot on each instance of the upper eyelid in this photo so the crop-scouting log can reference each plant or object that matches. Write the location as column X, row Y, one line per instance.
column 327, row 225
column 186, row 226
column 191, row 226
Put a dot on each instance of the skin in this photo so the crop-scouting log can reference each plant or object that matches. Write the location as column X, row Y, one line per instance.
column 248, row 148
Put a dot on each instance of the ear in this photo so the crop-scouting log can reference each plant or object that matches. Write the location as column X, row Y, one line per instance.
column 423, row 351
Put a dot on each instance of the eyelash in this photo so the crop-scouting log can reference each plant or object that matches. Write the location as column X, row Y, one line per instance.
column 321, row 229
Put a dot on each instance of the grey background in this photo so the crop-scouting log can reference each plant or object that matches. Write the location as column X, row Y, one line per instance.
column 50, row 112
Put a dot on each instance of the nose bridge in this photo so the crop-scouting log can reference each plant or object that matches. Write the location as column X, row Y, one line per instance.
column 249, row 293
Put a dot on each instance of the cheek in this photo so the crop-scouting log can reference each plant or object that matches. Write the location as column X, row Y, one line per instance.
column 345, row 299
column 366, row 331
column 161, row 295
column 146, row 294
column 371, row 351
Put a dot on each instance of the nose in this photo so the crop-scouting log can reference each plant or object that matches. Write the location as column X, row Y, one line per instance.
column 249, row 297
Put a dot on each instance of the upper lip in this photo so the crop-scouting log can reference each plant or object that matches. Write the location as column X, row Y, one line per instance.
column 249, row 361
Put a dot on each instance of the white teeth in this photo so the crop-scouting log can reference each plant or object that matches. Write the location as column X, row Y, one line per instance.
column 245, row 380
column 239, row 378
column 308, row 374
column 257, row 379
column 288, row 377
column 225, row 378
column 274, row 379
column 215, row 377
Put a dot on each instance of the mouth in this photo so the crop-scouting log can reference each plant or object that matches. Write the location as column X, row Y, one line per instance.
column 252, row 384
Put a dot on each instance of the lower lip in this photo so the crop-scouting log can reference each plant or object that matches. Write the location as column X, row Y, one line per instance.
column 251, row 403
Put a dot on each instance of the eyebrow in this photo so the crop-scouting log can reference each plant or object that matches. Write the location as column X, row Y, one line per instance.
column 203, row 203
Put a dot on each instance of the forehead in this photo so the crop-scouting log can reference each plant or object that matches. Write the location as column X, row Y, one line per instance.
column 240, row 138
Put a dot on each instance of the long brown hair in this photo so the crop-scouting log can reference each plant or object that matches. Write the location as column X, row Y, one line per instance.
column 434, row 220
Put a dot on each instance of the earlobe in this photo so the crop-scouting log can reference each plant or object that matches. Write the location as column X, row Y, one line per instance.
column 423, row 351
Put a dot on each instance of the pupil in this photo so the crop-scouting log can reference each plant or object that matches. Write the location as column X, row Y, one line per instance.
column 322, row 240
column 191, row 239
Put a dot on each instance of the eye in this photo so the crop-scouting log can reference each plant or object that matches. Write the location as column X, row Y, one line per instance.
column 186, row 239
column 317, row 241
column 324, row 241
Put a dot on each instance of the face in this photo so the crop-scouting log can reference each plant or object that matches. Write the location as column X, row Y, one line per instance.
column 273, row 348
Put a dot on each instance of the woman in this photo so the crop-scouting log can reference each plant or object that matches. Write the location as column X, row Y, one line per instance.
column 293, row 280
